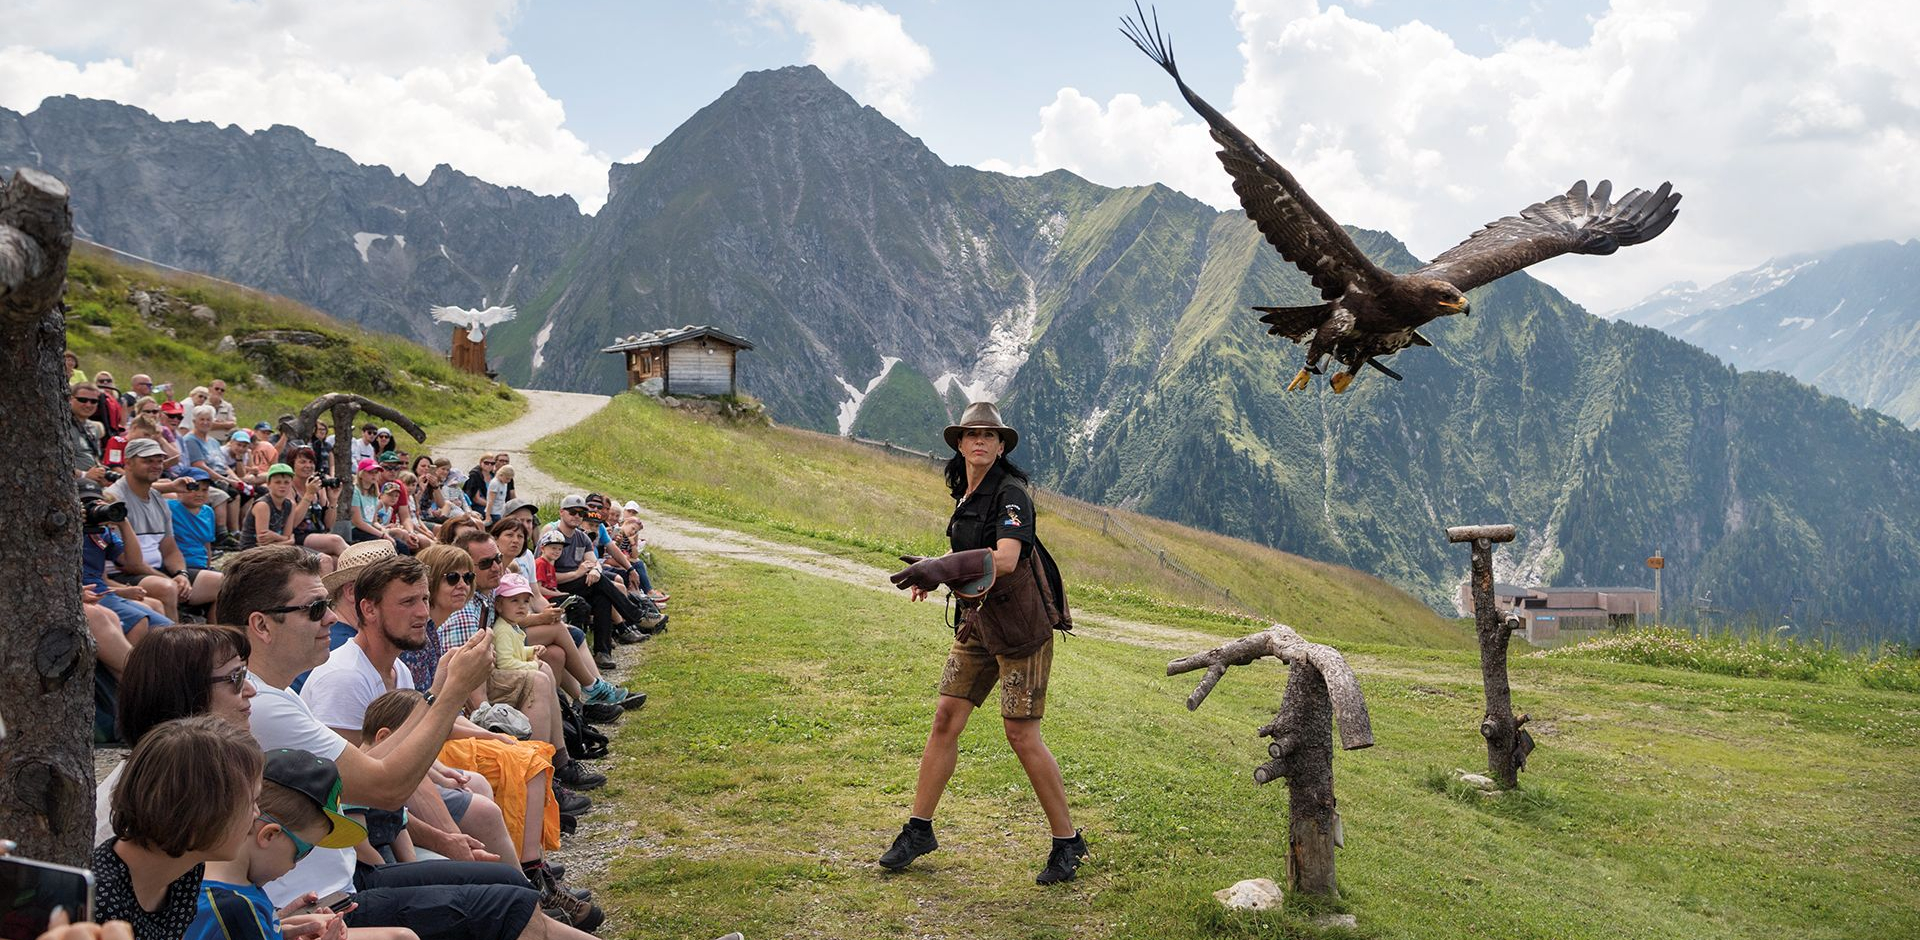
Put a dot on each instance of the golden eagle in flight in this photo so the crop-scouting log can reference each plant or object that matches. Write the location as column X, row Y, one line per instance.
column 1367, row 312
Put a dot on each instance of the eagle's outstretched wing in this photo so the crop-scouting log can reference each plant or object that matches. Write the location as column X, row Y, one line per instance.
column 1574, row 223
column 474, row 318
column 1285, row 214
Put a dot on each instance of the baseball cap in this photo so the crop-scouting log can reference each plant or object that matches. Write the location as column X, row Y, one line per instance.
column 143, row 447
column 365, row 464
column 513, row 584
column 515, row 505
column 552, row 537
column 243, row 436
column 387, row 431
column 90, row 490
column 195, row 473
column 172, row 408
column 573, row 501
column 319, row 780
column 357, row 556
column 631, row 506
column 278, row 469
column 391, row 486
column 392, row 456
column 263, row 426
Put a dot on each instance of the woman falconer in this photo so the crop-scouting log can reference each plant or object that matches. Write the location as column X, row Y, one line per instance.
column 1010, row 603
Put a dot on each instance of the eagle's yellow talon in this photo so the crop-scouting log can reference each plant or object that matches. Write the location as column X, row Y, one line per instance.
column 1300, row 381
column 1340, row 381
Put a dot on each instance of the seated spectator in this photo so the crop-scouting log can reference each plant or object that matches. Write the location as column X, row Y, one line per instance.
column 74, row 375
column 551, row 545
column 277, row 512
column 544, row 625
column 315, row 529
column 156, row 686
column 197, row 397
column 112, row 414
column 275, row 591
column 101, row 545
column 151, row 521
column 264, row 453
column 299, row 810
column 453, row 528
column 477, row 480
column 171, row 416
column 111, row 650
column 497, row 493
column 185, row 799
column 363, row 448
column 224, row 418
column 200, row 449
column 500, row 462
column 383, row 443
column 84, row 435
column 193, row 528
column 138, row 387
column 239, row 453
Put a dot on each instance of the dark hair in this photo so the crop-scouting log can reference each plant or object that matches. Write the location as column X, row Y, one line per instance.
column 258, row 578
column 166, row 677
column 390, row 710
column 956, row 473
column 371, row 583
column 184, row 783
column 464, row 541
column 300, row 451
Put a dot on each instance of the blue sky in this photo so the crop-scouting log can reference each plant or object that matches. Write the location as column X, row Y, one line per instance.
column 1789, row 126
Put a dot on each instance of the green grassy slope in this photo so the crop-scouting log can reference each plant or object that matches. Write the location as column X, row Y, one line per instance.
column 106, row 331
column 777, row 760
column 851, row 499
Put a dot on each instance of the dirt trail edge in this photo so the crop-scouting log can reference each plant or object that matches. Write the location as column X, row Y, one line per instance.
column 553, row 412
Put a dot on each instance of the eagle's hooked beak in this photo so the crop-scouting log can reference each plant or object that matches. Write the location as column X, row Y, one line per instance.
column 1459, row 306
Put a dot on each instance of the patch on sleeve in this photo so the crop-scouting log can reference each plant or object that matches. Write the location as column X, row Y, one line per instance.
column 1013, row 516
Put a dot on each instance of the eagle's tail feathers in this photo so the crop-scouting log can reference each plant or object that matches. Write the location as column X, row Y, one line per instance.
column 1294, row 322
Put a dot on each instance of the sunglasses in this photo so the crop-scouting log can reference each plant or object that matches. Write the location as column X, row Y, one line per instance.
column 487, row 564
column 237, row 678
column 316, row 610
column 149, row 411
column 190, row 485
column 455, row 577
column 85, row 400
column 301, row 847
column 172, row 417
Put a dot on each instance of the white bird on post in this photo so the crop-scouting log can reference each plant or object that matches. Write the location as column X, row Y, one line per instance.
column 476, row 321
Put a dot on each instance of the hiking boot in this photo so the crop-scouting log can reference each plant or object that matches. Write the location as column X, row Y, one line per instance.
column 626, row 635
column 578, row 776
column 566, row 907
column 910, row 844
column 604, row 661
column 602, row 713
column 1064, row 860
column 569, row 824
column 634, row 700
column 571, row 803
column 651, row 626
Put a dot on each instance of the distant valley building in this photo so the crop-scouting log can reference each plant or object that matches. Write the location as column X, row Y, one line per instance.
column 691, row 360
column 1546, row 611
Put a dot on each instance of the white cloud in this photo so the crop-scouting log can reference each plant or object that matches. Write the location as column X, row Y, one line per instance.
column 852, row 41
column 1789, row 129
column 636, row 156
column 408, row 85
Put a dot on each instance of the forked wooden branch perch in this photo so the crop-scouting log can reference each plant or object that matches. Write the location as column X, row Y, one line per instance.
column 1508, row 743
column 342, row 407
column 1320, row 685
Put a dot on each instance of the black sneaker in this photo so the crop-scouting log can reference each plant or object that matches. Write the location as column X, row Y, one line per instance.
column 602, row 713
column 578, row 776
column 569, row 824
column 627, row 635
column 634, row 700
column 910, row 844
column 1064, row 860
column 571, row 803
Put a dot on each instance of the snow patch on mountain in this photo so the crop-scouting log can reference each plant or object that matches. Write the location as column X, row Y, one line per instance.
column 849, row 410
column 540, row 344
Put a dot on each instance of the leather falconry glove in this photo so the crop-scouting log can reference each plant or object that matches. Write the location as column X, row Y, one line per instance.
column 969, row 574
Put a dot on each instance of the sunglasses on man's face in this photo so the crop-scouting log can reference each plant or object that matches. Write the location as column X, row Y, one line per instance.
column 486, row 564
column 149, row 411
column 316, row 609
column 237, row 678
column 82, row 399
column 455, row 577
column 190, row 485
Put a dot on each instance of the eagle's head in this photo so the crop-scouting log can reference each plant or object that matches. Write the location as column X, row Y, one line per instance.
column 1443, row 299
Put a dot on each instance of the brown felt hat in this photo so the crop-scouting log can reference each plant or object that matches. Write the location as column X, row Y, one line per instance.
column 981, row 414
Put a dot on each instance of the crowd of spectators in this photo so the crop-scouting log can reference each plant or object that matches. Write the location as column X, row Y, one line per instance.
column 358, row 707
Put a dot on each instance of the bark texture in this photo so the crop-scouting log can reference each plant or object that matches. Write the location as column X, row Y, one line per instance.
column 1507, row 741
column 1320, row 686
column 46, row 654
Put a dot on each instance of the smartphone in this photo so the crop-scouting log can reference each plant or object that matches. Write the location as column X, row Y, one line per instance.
column 335, row 902
column 30, row 890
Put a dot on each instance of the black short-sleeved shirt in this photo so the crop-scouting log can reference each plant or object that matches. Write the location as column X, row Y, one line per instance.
column 113, row 898
column 999, row 509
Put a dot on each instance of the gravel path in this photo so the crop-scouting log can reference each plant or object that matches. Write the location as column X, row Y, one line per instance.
column 547, row 413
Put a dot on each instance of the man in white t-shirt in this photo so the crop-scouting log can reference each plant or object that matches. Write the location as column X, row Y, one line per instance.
column 274, row 593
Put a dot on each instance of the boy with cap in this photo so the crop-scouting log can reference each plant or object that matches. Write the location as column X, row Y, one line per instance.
column 193, row 523
column 551, row 545
column 299, row 811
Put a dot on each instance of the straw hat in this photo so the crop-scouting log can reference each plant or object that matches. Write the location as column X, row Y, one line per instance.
column 981, row 414
column 357, row 556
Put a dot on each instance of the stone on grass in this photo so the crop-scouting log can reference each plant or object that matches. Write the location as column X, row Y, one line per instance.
column 1482, row 781
column 1337, row 920
column 204, row 314
column 1253, row 894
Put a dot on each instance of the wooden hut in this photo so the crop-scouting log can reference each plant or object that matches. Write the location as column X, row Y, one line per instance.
column 691, row 360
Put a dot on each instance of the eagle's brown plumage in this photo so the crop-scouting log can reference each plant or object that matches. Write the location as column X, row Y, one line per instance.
column 1369, row 312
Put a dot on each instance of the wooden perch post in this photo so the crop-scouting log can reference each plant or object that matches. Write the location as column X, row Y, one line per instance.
column 1508, row 743
column 341, row 408
column 1320, row 686
column 46, row 676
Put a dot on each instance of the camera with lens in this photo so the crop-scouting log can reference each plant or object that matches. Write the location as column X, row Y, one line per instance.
column 331, row 483
column 100, row 513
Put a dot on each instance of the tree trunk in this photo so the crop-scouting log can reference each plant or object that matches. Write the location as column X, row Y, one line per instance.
column 1498, row 726
column 46, row 654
